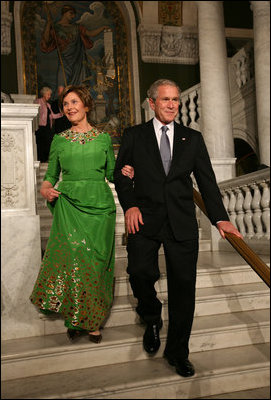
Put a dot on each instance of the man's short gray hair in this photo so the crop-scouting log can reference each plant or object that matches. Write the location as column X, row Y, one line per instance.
column 153, row 90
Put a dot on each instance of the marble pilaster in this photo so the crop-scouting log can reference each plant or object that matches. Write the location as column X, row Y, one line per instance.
column 215, row 92
column 261, row 26
column 20, row 224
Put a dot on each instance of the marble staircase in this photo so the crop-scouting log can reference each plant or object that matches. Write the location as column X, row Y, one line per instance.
column 229, row 343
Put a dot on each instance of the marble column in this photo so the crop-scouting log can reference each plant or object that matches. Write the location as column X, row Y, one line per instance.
column 215, row 90
column 261, row 28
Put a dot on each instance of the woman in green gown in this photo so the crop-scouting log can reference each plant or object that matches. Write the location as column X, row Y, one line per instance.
column 77, row 271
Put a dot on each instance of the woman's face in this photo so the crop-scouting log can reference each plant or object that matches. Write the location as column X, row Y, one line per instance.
column 74, row 108
column 47, row 95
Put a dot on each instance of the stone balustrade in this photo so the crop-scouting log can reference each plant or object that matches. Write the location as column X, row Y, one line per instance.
column 242, row 64
column 191, row 107
column 247, row 200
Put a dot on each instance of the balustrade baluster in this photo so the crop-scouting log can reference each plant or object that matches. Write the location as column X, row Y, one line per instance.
column 184, row 110
column 243, row 71
column 257, row 212
column 225, row 199
column 248, row 212
column 240, row 212
column 265, row 201
column 238, row 73
column 231, row 207
column 192, row 110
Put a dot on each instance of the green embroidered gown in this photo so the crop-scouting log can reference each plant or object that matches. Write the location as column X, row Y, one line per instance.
column 77, row 271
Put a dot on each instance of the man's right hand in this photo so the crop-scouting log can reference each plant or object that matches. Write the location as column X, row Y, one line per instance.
column 133, row 217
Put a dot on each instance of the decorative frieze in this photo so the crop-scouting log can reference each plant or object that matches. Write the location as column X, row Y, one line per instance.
column 13, row 194
column 168, row 44
column 6, row 20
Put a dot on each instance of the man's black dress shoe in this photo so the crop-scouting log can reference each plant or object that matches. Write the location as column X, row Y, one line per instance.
column 183, row 367
column 151, row 339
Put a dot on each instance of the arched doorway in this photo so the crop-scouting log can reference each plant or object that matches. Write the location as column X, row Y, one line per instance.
column 246, row 159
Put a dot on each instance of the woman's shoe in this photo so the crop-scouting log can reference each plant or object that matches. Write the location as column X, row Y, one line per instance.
column 74, row 334
column 95, row 338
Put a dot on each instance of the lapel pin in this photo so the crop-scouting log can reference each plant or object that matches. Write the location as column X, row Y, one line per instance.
column 183, row 138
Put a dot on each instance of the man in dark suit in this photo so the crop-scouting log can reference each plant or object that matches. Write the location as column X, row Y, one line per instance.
column 61, row 124
column 159, row 208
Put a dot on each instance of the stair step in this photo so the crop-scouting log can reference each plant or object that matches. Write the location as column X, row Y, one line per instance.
column 258, row 393
column 30, row 356
column 217, row 371
column 209, row 302
column 230, row 275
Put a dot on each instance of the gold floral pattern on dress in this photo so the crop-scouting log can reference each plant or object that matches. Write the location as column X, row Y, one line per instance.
column 83, row 299
column 81, row 137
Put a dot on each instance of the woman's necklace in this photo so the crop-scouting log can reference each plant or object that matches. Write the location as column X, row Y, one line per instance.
column 89, row 128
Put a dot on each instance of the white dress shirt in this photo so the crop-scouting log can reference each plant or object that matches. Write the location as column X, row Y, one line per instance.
column 158, row 132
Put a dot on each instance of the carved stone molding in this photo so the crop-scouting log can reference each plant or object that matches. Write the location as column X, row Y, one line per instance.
column 243, row 62
column 18, row 150
column 168, row 44
column 6, row 20
column 13, row 194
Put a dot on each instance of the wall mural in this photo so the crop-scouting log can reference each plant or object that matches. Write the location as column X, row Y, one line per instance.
column 74, row 42
column 170, row 13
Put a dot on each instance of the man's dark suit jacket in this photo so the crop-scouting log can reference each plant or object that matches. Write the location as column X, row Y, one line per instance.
column 158, row 195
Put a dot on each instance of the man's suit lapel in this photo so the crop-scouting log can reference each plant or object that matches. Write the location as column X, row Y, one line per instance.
column 152, row 146
column 179, row 144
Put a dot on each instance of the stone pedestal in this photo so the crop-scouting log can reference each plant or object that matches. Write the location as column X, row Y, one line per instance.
column 223, row 167
column 23, row 98
column 20, row 226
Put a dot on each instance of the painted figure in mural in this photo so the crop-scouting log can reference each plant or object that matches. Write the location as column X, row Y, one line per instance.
column 77, row 271
column 44, row 134
column 159, row 208
column 70, row 40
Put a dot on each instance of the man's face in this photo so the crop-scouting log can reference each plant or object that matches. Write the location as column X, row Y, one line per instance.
column 166, row 106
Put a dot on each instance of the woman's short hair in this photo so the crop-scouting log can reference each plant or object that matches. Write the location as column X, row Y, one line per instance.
column 45, row 89
column 82, row 92
column 153, row 90
column 67, row 8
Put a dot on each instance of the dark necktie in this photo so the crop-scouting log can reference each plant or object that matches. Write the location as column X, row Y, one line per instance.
column 165, row 149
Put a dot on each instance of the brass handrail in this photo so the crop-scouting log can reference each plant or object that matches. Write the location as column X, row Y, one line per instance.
column 240, row 246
